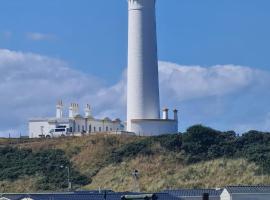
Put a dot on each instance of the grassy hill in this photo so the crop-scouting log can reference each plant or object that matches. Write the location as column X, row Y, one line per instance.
column 199, row 158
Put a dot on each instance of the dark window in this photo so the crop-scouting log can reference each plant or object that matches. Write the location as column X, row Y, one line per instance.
column 94, row 129
column 78, row 128
column 61, row 126
column 60, row 130
column 90, row 129
column 99, row 129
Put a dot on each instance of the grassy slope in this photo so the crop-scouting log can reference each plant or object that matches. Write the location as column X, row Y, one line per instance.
column 159, row 171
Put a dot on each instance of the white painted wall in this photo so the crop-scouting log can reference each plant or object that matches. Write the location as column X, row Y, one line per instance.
column 36, row 127
column 225, row 195
column 78, row 124
column 142, row 88
column 154, row 127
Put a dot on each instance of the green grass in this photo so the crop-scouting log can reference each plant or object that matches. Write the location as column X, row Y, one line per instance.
column 200, row 158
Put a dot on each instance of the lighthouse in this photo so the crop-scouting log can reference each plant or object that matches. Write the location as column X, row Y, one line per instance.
column 143, row 90
column 143, row 104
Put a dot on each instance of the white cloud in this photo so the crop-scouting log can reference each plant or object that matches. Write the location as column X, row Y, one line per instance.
column 191, row 82
column 223, row 96
column 35, row 36
column 30, row 84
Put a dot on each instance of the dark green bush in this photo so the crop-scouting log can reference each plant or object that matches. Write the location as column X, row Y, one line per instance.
column 50, row 165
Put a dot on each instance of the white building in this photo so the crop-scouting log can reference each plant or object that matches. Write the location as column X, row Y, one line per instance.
column 74, row 124
column 143, row 106
column 246, row 193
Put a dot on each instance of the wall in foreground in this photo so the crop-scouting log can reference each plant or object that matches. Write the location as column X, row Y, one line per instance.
column 149, row 127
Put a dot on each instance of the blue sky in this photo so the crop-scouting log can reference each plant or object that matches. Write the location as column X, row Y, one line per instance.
column 90, row 37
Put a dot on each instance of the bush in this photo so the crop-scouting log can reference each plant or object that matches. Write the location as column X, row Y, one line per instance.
column 48, row 164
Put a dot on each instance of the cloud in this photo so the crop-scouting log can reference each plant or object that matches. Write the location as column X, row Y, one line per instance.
column 192, row 82
column 30, row 84
column 39, row 36
column 225, row 97
column 222, row 96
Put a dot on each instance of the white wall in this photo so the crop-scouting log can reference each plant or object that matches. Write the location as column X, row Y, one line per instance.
column 79, row 125
column 104, row 126
column 225, row 195
column 154, row 127
column 35, row 128
column 78, row 122
column 142, row 83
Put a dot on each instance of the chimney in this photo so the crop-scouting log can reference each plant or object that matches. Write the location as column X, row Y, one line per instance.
column 59, row 109
column 165, row 113
column 175, row 114
column 75, row 109
column 87, row 110
column 71, row 110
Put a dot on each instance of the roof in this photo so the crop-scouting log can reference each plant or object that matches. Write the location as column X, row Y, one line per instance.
column 50, row 120
column 194, row 192
column 248, row 189
column 82, row 196
column 152, row 120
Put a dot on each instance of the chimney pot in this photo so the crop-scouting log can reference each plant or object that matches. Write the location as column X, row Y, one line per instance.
column 165, row 113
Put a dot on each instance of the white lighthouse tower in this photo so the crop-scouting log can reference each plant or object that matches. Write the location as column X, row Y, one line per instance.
column 143, row 90
column 143, row 106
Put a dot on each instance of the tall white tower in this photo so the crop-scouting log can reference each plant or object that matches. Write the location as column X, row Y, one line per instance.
column 143, row 84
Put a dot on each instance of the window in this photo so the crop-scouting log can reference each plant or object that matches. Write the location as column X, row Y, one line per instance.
column 94, row 129
column 99, row 129
column 60, row 130
column 82, row 127
column 78, row 128
column 61, row 126
column 107, row 129
column 90, row 129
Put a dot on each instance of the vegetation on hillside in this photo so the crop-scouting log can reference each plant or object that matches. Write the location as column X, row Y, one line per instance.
column 49, row 166
column 189, row 159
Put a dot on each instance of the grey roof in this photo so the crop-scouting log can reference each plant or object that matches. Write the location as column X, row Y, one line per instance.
column 51, row 119
column 248, row 189
column 194, row 192
column 81, row 196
